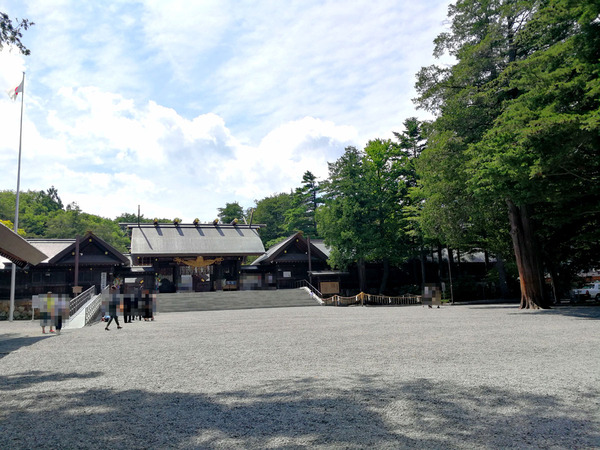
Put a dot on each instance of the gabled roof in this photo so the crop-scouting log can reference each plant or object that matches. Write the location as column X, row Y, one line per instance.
column 320, row 244
column 51, row 247
column 17, row 249
column 92, row 249
column 195, row 240
column 278, row 251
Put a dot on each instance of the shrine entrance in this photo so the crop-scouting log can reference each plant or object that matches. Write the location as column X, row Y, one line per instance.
column 195, row 257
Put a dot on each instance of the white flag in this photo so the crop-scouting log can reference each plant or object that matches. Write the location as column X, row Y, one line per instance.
column 12, row 93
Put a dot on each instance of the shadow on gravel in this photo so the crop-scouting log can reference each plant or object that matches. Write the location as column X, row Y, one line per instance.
column 11, row 342
column 27, row 379
column 580, row 311
column 376, row 412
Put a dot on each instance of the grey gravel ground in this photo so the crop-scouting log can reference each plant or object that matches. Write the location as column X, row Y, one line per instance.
column 387, row 377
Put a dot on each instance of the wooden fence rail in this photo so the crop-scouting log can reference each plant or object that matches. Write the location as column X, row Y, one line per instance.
column 367, row 299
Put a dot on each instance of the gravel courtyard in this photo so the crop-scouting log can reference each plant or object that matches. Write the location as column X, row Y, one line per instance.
column 487, row 376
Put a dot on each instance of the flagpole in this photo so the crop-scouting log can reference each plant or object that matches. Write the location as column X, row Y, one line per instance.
column 13, row 276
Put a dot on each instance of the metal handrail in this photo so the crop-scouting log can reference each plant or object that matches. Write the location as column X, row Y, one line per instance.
column 94, row 307
column 76, row 303
column 305, row 283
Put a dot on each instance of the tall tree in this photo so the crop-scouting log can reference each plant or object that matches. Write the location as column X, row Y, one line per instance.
column 305, row 200
column 363, row 219
column 270, row 211
column 412, row 142
column 344, row 220
column 230, row 212
column 519, row 108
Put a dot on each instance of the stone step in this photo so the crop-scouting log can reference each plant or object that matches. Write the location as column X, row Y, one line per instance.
column 224, row 300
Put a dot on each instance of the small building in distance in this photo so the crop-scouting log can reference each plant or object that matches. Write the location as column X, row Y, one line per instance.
column 90, row 258
column 291, row 262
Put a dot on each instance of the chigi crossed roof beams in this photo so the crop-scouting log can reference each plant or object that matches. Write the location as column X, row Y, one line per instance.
column 196, row 239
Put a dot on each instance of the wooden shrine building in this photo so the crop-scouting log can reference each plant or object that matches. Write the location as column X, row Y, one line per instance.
column 290, row 261
column 194, row 257
column 84, row 262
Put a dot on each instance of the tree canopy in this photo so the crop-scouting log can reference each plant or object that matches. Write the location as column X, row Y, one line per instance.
column 12, row 32
column 516, row 128
column 231, row 211
column 42, row 215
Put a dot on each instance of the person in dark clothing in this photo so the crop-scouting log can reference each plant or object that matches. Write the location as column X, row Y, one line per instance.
column 127, row 308
column 113, row 306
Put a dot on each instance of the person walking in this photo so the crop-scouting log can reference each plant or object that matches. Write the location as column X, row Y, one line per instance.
column 60, row 313
column 113, row 307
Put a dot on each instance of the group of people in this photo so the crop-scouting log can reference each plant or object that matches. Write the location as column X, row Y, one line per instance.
column 140, row 305
column 54, row 311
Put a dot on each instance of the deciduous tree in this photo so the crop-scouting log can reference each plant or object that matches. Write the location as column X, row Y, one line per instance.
column 11, row 32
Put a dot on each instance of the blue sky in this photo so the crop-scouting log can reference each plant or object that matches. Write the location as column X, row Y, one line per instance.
column 181, row 106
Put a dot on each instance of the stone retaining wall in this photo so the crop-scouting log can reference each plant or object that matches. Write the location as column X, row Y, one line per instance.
column 22, row 310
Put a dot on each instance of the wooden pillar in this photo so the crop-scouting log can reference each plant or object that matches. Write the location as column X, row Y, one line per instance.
column 309, row 261
column 76, row 289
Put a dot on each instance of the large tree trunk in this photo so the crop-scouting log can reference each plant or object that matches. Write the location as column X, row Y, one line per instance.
column 385, row 276
column 530, row 270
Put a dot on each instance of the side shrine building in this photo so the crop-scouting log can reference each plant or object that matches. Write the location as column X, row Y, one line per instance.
column 66, row 263
column 194, row 257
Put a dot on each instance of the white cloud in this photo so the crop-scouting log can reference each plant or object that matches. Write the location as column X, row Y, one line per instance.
column 181, row 30
column 182, row 106
column 279, row 161
column 109, row 154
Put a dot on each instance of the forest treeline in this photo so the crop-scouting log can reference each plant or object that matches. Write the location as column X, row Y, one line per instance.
column 509, row 166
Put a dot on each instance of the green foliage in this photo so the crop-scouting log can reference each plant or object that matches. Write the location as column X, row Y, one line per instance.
column 11, row 34
column 10, row 225
column 230, row 212
column 343, row 220
column 301, row 215
column 42, row 215
column 363, row 217
column 517, row 122
column 270, row 211
column 133, row 218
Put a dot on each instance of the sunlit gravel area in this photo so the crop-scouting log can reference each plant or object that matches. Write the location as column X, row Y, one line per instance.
column 485, row 376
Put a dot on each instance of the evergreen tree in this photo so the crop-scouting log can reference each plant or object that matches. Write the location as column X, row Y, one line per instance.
column 270, row 211
column 231, row 212
column 305, row 200
column 363, row 219
column 516, row 116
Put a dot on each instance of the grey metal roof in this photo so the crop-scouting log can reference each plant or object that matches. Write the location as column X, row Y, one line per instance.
column 195, row 240
column 320, row 244
column 17, row 249
column 51, row 247
column 108, row 255
column 276, row 250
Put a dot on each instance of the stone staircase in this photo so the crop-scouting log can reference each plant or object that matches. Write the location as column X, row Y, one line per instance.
column 214, row 301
